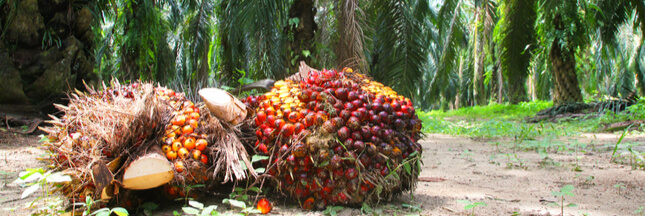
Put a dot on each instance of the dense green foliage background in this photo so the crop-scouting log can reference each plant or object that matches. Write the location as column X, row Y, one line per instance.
column 444, row 54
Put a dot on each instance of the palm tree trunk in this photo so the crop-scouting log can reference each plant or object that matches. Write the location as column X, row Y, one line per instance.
column 566, row 88
column 302, row 45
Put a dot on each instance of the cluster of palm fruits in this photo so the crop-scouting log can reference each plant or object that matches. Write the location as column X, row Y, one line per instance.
column 181, row 143
column 337, row 137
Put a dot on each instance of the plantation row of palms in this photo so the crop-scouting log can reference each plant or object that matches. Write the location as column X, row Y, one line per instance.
column 441, row 53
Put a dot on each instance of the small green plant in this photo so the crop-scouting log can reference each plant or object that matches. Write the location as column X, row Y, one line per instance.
column 119, row 211
column 467, row 154
column 639, row 211
column 332, row 210
column 197, row 208
column 564, row 191
column 35, row 179
column 619, row 186
column 471, row 205
column 246, row 210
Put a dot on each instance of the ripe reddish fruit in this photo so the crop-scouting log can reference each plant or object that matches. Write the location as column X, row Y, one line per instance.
column 300, row 150
column 328, row 127
column 260, row 117
column 359, row 146
column 201, row 144
column 194, row 115
column 203, row 158
column 293, row 117
column 308, row 204
column 341, row 93
column 350, row 173
column 356, row 135
column 287, row 129
column 343, row 133
column 264, row 206
column 353, row 123
column 298, row 127
column 262, row 149
column 279, row 123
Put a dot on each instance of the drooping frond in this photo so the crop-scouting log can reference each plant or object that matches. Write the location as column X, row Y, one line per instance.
column 400, row 48
column 517, row 42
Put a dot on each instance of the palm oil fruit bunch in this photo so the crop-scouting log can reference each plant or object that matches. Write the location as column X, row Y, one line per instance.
column 337, row 137
column 182, row 144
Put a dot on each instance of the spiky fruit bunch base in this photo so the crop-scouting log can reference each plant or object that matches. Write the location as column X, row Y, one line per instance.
column 337, row 138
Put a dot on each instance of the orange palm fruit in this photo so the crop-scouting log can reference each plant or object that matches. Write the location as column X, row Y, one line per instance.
column 264, row 206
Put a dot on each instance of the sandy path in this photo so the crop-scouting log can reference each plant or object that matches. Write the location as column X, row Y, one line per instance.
column 480, row 174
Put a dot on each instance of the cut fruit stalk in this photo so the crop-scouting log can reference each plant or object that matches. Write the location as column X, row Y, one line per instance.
column 148, row 171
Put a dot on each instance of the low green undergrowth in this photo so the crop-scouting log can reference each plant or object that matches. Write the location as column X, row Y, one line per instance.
column 508, row 121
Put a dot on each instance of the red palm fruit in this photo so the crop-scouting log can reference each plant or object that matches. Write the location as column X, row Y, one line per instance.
column 371, row 149
column 385, row 171
column 309, row 119
column 339, row 149
column 338, row 122
column 365, row 160
column 264, row 206
column 359, row 146
column 404, row 108
column 262, row 149
column 320, row 119
column 300, row 150
column 345, row 114
column 384, row 117
column 335, row 161
column 396, row 152
column 270, row 111
column 353, row 123
column 341, row 93
column 268, row 132
column 388, row 108
column 308, row 204
column 357, row 103
column 399, row 124
column 315, row 95
column 376, row 130
column 288, row 129
column 342, row 197
column 279, row 123
column 350, row 173
column 328, row 127
column 283, row 149
column 270, row 120
column 396, row 105
column 349, row 106
column 356, row 135
column 358, row 115
column 375, row 119
column 375, row 139
column 343, row 133
column 291, row 160
column 293, row 117
column 298, row 127
column 365, row 132
column 305, row 95
column 352, row 95
column 258, row 133
column 385, row 149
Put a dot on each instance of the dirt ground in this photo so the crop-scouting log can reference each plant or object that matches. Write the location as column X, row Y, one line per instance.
column 456, row 170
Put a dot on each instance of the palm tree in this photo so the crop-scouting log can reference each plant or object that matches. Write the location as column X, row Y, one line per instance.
column 518, row 40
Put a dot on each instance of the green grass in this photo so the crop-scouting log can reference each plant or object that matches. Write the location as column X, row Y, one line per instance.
column 507, row 120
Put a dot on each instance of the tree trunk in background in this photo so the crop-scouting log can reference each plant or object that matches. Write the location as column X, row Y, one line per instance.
column 496, row 77
column 129, row 55
column 478, row 84
column 349, row 50
column 45, row 51
column 301, row 36
column 566, row 88
column 636, row 67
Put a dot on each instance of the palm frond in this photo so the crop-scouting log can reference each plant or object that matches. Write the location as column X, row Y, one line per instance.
column 400, row 48
column 517, row 43
column 350, row 51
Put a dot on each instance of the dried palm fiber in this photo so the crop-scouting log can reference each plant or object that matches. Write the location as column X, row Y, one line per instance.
column 103, row 134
